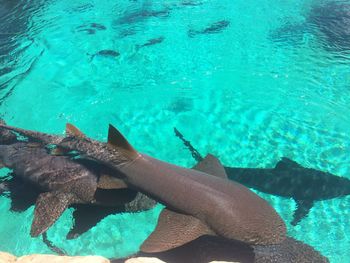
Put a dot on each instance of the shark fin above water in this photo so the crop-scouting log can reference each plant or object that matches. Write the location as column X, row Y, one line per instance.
column 71, row 130
column 116, row 139
column 301, row 211
column 286, row 163
column 174, row 230
column 211, row 165
column 48, row 208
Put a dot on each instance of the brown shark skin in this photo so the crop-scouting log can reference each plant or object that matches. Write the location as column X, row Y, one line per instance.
column 66, row 178
column 6, row 136
column 229, row 209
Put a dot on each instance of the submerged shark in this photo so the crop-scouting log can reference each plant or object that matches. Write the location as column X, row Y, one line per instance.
column 199, row 201
column 61, row 182
column 287, row 179
column 204, row 211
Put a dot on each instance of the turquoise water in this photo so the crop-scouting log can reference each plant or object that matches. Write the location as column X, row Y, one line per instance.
column 249, row 95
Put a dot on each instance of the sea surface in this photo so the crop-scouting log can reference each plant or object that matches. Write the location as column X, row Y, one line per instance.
column 248, row 81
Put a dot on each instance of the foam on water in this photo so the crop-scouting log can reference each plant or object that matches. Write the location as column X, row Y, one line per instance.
column 249, row 95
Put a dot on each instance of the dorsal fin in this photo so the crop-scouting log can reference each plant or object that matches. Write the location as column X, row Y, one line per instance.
column 174, row 230
column 116, row 139
column 71, row 130
column 211, row 165
column 286, row 163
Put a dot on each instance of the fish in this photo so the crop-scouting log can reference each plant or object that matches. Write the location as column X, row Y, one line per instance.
column 91, row 28
column 198, row 201
column 287, row 179
column 217, row 249
column 214, row 28
column 107, row 53
column 333, row 21
column 62, row 182
column 140, row 16
column 328, row 22
column 151, row 42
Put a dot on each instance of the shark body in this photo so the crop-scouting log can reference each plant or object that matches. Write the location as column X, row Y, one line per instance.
column 202, row 196
column 58, row 182
column 193, row 236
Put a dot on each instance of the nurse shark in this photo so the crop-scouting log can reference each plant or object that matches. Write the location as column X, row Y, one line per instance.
column 199, row 201
column 56, row 182
column 287, row 179
column 179, row 234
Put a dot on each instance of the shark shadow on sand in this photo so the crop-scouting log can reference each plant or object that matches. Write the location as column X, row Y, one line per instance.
column 287, row 179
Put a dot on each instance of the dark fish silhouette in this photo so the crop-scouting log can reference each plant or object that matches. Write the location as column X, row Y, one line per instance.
column 91, row 28
column 209, row 248
column 329, row 22
column 152, row 42
column 63, row 182
column 333, row 21
column 107, row 53
column 199, row 201
column 214, row 28
column 287, row 179
column 140, row 16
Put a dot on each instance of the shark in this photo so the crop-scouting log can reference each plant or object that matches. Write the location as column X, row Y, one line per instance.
column 287, row 179
column 198, row 201
column 57, row 182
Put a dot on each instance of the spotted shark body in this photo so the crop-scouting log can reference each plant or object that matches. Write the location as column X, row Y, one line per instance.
column 198, row 201
column 62, row 182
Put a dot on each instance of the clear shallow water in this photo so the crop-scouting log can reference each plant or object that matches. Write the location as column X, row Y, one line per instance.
column 265, row 87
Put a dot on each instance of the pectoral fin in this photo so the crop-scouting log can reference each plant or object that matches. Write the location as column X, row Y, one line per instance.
column 109, row 182
column 301, row 211
column 174, row 230
column 211, row 165
column 48, row 208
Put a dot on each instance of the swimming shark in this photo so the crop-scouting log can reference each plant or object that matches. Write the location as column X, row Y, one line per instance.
column 198, row 201
column 62, row 182
column 287, row 179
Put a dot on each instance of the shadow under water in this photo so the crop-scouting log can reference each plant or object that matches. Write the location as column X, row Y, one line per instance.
column 287, row 179
column 329, row 23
